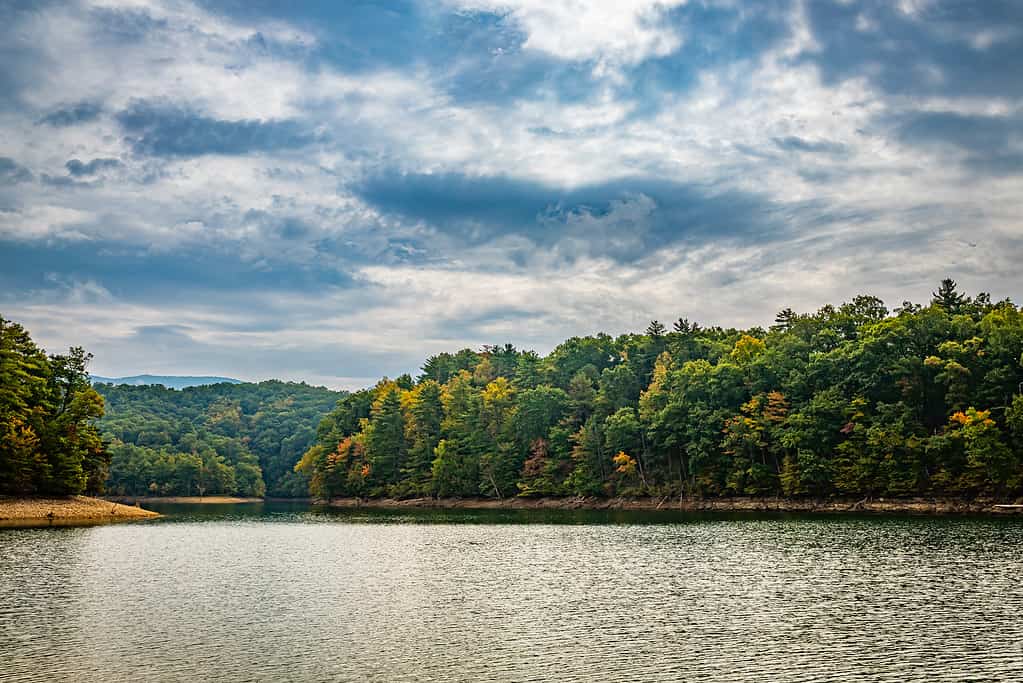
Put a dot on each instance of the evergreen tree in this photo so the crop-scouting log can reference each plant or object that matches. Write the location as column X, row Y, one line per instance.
column 50, row 444
column 385, row 437
column 949, row 298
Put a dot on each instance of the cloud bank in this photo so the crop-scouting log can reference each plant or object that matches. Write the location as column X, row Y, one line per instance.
column 333, row 193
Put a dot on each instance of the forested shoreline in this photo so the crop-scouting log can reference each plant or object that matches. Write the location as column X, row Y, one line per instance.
column 218, row 439
column 854, row 400
column 49, row 444
column 61, row 436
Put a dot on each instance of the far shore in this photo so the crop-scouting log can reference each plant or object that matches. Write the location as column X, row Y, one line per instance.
column 195, row 500
column 70, row 511
column 915, row 506
column 918, row 506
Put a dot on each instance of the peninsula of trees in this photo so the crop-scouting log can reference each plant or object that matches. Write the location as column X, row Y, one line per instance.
column 853, row 400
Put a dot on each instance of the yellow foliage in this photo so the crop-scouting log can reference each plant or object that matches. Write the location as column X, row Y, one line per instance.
column 383, row 389
column 624, row 463
column 662, row 366
column 498, row 392
column 972, row 417
column 484, row 373
column 746, row 349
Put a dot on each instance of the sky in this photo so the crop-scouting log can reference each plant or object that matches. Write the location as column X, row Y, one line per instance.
column 333, row 191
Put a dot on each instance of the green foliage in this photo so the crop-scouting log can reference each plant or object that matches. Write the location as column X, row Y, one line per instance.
column 990, row 464
column 1014, row 420
column 849, row 400
column 49, row 444
column 240, row 439
column 384, row 437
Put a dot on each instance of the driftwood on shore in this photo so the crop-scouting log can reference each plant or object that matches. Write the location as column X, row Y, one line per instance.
column 918, row 506
column 924, row 506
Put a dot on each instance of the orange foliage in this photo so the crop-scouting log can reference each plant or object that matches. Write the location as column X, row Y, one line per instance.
column 624, row 463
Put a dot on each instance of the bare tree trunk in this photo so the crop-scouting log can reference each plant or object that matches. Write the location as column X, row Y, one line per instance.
column 493, row 482
column 642, row 473
column 681, row 478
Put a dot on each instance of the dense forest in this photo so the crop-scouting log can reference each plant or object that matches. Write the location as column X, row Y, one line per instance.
column 853, row 400
column 48, row 442
column 239, row 439
column 59, row 435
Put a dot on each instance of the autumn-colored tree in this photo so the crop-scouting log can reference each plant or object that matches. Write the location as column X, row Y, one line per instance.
column 625, row 469
column 991, row 467
column 852, row 400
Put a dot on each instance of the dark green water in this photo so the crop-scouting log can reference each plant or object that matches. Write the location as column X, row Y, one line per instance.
column 280, row 593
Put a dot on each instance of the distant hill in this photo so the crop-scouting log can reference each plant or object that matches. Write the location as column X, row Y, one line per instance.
column 169, row 381
column 242, row 438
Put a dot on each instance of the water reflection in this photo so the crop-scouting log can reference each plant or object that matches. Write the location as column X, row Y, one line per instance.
column 282, row 592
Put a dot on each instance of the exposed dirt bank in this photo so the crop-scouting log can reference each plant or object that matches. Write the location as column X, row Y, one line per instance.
column 191, row 500
column 73, row 510
column 877, row 505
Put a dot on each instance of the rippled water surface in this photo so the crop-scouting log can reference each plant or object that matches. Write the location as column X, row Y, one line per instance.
column 281, row 592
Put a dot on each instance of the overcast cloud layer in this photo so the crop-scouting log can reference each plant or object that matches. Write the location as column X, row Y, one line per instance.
column 332, row 194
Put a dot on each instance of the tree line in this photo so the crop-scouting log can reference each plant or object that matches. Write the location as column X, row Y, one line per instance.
column 59, row 435
column 49, row 444
column 852, row 400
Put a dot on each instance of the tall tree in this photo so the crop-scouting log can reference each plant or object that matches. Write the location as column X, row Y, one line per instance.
column 948, row 297
column 50, row 443
column 385, row 437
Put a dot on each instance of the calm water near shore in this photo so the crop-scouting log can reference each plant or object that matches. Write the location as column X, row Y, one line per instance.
column 293, row 592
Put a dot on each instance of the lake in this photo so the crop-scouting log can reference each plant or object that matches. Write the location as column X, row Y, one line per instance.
column 296, row 593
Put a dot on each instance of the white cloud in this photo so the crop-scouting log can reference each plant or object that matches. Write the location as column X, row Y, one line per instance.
column 884, row 217
column 610, row 33
column 45, row 222
column 187, row 55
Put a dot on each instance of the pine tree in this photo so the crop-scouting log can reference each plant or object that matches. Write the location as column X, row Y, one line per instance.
column 948, row 298
column 656, row 329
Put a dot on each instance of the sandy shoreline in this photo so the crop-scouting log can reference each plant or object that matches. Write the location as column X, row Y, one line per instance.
column 904, row 506
column 66, row 511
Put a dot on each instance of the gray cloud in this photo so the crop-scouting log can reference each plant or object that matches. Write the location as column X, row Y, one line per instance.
column 943, row 46
column 992, row 144
column 77, row 168
column 793, row 143
column 625, row 220
column 66, row 182
column 71, row 115
column 144, row 275
column 164, row 129
column 11, row 172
